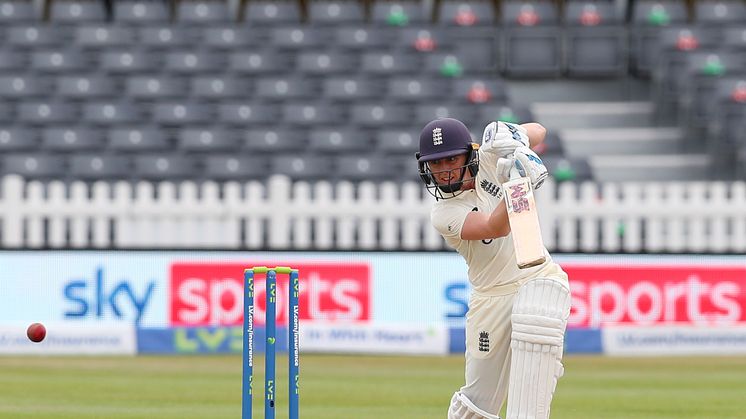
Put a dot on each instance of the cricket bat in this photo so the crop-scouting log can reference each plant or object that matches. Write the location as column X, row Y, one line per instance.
column 524, row 221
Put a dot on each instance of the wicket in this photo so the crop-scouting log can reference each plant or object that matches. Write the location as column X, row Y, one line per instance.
column 270, row 351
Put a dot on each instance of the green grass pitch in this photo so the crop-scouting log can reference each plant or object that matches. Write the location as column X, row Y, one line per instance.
column 356, row 387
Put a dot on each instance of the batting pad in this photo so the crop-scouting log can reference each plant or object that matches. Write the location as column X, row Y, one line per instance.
column 539, row 318
column 462, row 408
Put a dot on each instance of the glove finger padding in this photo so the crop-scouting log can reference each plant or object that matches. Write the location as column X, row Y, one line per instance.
column 529, row 164
column 504, row 165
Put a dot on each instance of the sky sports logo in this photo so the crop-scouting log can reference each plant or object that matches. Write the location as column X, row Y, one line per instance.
column 654, row 295
column 211, row 294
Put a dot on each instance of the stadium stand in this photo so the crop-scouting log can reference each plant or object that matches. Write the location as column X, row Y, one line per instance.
column 150, row 81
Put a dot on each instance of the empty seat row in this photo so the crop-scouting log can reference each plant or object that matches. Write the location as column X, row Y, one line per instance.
column 227, row 36
column 243, row 113
column 214, row 167
column 396, row 13
column 205, row 139
column 215, row 87
column 248, row 62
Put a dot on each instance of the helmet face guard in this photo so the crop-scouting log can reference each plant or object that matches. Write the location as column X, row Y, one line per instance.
column 453, row 187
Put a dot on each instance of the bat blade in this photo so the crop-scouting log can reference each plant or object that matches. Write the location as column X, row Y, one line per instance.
column 524, row 222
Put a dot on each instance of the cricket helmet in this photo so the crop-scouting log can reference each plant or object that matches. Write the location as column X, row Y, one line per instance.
column 443, row 138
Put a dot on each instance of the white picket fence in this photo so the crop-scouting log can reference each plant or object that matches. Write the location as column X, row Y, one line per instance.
column 280, row 214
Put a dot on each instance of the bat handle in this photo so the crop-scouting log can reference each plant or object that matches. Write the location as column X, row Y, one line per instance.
column 514, row 173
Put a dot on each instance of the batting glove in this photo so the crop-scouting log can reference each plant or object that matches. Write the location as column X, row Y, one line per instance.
column 503, row 138
column 526, row 163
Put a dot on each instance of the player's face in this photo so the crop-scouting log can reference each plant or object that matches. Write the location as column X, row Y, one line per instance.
column 449, row 169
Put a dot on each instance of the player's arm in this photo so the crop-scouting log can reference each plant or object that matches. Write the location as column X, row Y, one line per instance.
column 535, row 132
column 483, row 226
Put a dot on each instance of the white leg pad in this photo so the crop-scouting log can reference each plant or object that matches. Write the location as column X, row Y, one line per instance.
column 462, row 408
column 539, row 318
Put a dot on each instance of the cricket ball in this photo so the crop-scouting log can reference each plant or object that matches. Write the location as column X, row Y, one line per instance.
column 36, row 332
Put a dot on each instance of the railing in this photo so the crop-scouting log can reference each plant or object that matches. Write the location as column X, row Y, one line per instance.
column 280, row 214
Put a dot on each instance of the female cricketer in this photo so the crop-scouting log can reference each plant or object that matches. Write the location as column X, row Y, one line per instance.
column 517, row 317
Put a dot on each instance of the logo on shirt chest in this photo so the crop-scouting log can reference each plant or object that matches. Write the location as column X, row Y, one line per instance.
column 490, row 187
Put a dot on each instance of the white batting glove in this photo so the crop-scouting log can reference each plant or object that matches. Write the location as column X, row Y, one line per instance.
column 502, row 138
column 526, row 163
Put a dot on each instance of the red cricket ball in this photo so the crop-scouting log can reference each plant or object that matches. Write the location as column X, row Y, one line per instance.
column 36, row 332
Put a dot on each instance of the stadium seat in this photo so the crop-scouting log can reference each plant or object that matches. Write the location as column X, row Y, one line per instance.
column 551, row 146
column 12, row 12
column 389, row 63
column 104, row 36
column 76, row 11
column 14, row 138
column 299, row 37
column 361, row 168
column 141, row 12
column 12, row 61
column 137, row 139
column 35, row 165
column 396, row 142
column 310, row 113
column 230, row 167
column 302, row 167
column 417, row 89
column 271, row 12
column 166, row 37
column 47, row 112
column 20, row 86
column 7, row 112
column 363, row 38
column 124, row 62
column 595, row 40
column 466, row 13
column 427, row 111
column 648, row 17
column 325, row 62
column 274, row 140
column 165, row 167
column 71, row 139
column 217, row 87
column 720, row 13
column 352, row 88
column 59, row 61
column 248, row 113
column 734, row 39
column 84, row 87
column 154, row 87
column 202, row 12
column 479, row 90
column 100, row 167
column 425, row 39
column 344, row 140
column 208, row 139
column 36, row 36
column 532, row 39
column 181, row 113
column 703, row 70
column 380, row 115
column 674, row 44
column 230, row 37
column 259, row 62
column 111, row 112
column 189, row 62
column 398, row 13
column 284, row 88
column 456, row 64
column 333, row 12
